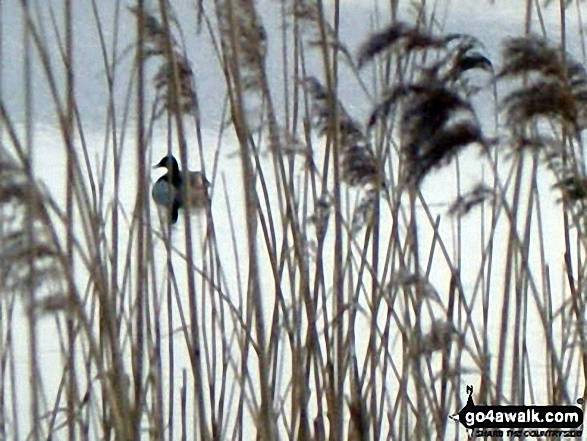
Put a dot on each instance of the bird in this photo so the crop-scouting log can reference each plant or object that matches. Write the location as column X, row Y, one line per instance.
column 177, row 190
column 167, row 189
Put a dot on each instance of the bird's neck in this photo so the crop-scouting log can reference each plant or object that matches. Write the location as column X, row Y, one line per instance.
column 174, row 175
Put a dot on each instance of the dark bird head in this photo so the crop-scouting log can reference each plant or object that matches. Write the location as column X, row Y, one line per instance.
column 168, row 162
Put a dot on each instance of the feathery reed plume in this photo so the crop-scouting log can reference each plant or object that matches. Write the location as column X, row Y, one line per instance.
column 307, row 13
column 574, row 188
column 359, row 166
column 16, row 248
column 363, row 212
column 430, row 131
column 461, row 50
column 523, row 55
column 562, row 162
column 244, row 40
column 467, row 57
column 321, row 214
column 177, row 64
column 398, row 35
column 466, row 202
column 556, row 85
column 437, row 119
column 545, row 99
column 439, row 337
column 440, row 148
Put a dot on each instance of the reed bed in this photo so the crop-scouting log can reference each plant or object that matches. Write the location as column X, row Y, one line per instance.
column 324, row 293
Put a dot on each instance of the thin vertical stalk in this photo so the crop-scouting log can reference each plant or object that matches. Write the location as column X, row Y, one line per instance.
column 30, row 214
column 336, row 382
column 140, row 218
column 575, row 287
column 415, row 341
column 4, row 310
column 68, row 135
column 509, row 274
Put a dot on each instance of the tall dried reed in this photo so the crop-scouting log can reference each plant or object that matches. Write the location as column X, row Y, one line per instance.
column 351, row 307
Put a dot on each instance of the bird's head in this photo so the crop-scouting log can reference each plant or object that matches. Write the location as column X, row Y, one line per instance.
column 168, row 162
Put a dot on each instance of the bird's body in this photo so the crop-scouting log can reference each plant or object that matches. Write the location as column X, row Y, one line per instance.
column 177, row 190
column 195, row 190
